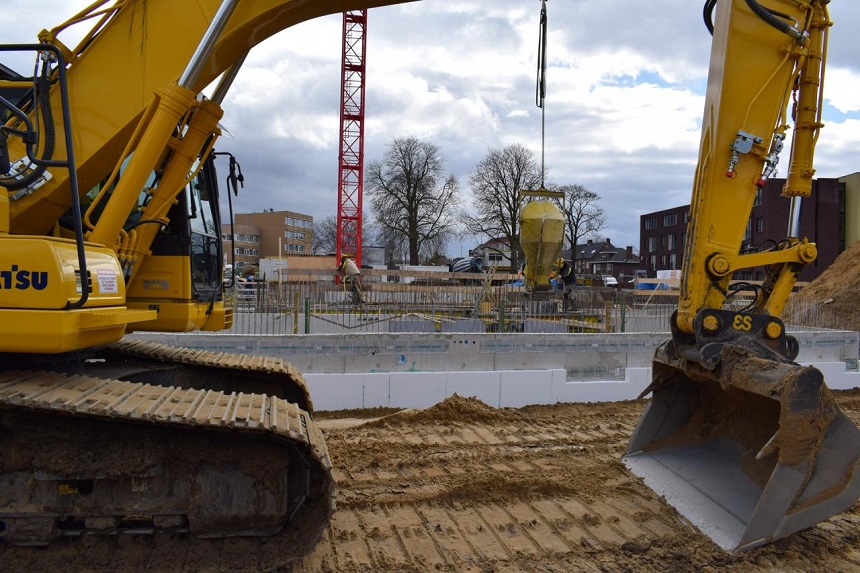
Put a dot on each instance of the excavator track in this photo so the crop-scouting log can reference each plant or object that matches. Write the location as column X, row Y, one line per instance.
column 150, row 361
column 218, row 478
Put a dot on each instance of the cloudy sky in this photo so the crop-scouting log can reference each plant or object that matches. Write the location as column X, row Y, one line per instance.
column 625, row 94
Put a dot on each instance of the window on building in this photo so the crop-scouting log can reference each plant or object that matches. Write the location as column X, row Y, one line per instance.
column 245, row 238
column 757, row 196
column 652, row 244
column 748, row 231
column 650, row 223
column 652, row 262
column 670, row 219
column 673, row 261
column 759, row 225
column 672, row 243
column 686, row 216
column 663, row 261
column 296, row 222
column 664, row 240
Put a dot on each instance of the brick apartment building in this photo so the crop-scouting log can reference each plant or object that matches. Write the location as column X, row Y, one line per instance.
column 662, row 234
column 267, row 234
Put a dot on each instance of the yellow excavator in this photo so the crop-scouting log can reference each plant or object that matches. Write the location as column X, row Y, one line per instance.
column 109, row 223
column 741, row 440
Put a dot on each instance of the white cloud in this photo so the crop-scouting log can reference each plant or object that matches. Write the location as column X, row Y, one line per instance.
column 841, row 91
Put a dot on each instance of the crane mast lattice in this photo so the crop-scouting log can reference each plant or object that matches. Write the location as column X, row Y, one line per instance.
column 351, row 154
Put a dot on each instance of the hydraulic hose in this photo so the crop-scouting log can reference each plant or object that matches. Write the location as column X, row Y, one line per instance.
column 708, row 15
column 771, row 19
column 43, row 103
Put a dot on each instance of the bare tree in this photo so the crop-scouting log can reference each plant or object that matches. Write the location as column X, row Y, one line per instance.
column 582, row 216
column 325, row 234
column 495, row 183
column 411, row 196
column 433, row 250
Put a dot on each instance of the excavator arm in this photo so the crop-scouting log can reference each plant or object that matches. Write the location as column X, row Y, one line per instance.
column 764, row 75
column 133, row 50
column 744, row 442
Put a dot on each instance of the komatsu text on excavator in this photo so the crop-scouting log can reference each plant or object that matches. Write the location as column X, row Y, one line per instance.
column 109, row 223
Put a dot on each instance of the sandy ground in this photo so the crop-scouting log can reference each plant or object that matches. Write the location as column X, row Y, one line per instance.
column 465, row 487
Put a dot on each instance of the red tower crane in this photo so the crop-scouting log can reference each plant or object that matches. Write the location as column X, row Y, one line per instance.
column 351, row 155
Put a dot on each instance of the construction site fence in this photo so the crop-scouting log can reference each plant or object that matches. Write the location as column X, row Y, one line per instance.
column 317, row 307
column 415, row 301
column 814, row 312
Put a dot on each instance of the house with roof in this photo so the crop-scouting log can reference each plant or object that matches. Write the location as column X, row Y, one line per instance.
column 602, row 258
column 495, row 253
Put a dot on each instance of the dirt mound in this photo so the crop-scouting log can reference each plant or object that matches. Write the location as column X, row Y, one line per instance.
column 839, row 281
column 455, row 408
column 830, row 301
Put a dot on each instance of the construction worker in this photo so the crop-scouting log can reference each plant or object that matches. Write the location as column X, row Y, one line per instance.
column 565, row 274
column 351, row 275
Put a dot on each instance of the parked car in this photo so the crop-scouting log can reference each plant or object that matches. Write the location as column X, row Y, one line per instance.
column 610, row 281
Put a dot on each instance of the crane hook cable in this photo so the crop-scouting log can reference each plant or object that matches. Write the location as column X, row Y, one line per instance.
column 540, row 89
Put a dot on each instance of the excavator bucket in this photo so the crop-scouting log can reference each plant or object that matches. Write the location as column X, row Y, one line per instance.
column 750, row 452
